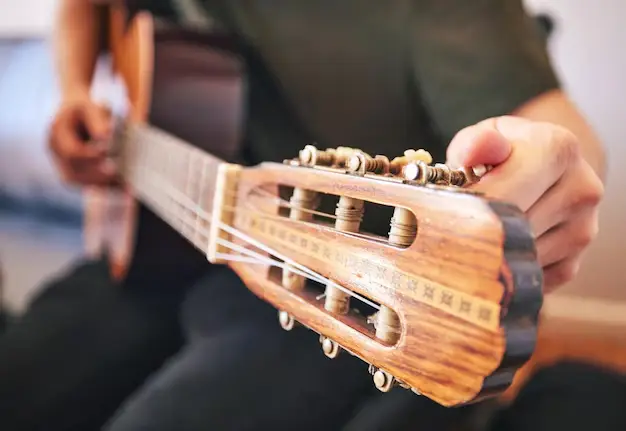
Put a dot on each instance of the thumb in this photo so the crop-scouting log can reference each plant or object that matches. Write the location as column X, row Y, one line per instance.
column 481, row 144
column 98, row 121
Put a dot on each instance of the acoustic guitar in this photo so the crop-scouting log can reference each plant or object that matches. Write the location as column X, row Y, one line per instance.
column 445, row 305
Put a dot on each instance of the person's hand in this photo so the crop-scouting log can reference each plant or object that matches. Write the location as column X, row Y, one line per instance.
column 78, row 142
column 538, row 167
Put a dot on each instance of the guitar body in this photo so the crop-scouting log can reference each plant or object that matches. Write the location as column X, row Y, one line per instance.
column 117, row 225
column 111, row 215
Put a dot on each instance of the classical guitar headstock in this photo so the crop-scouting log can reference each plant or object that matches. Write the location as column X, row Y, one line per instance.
column 443, row 300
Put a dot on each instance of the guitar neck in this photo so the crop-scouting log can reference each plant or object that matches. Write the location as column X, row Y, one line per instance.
column 173, row 178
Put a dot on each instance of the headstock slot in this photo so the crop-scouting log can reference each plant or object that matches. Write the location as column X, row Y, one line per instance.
column 358, row 318
column 373, row 219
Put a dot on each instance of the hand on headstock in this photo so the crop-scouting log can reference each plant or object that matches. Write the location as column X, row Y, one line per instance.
column 538, row 167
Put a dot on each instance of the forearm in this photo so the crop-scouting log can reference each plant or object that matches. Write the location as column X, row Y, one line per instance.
column 76, row 43
column 555, row 107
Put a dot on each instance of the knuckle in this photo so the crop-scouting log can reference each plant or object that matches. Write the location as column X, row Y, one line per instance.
column 584, row 237
column 565, row 147
column 588, row 194
column 595, row 192
column 592, row 197
column 564, row 272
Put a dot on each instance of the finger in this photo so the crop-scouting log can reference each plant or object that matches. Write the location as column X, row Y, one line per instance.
column 97, row 173
column 564, row 200
column 98, row 122
column 481, row 144
column 560, row 273
column 89, row 179
column 67, row 143
column 568, row 239
column 540, row 155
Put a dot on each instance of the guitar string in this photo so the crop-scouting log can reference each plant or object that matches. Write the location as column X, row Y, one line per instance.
column 200, row 213
column 255, row 257
column 190, row 152
column 272, row 198
column 283, row 203
column 258, row 259
column 182, row 199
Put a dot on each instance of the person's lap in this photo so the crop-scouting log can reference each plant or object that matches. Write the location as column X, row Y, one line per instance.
column 242, row 371
column 568, row 395
column 82, row 346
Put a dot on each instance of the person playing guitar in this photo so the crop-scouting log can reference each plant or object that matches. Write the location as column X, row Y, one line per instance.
column 251, row 82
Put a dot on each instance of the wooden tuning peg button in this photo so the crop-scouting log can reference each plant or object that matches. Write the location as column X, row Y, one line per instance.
column 410, row 156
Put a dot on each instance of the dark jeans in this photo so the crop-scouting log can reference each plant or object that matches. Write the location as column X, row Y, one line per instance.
column 81, row 348
column 240, row 371
column 85, row 346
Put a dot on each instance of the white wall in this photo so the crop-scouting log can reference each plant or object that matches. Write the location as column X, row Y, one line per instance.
column 26, row 18
column 588, row 50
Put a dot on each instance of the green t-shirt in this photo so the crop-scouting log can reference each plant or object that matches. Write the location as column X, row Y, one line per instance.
column 382, row 76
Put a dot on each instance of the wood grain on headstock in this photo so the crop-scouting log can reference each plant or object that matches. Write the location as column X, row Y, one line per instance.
column 468, row 290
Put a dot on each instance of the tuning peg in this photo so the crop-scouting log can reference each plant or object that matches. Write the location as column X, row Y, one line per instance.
column 329, row 347
column 362, row 163
column 417, row 171
column 411, row 156
column 475, row 173
column 382, row 379
column 312, row 156
column 287, row 322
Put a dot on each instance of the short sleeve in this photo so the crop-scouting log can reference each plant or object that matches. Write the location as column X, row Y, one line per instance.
column 475, row 59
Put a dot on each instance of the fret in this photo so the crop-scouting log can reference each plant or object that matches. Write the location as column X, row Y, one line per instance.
column 202, row 224
column 191, row 191
column 172, row 178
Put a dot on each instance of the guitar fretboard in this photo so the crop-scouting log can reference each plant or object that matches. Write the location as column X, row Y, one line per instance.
column 173, row 178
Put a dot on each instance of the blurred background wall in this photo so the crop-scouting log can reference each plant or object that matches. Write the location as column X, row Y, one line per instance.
column 26, row 18
column 587, row 48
